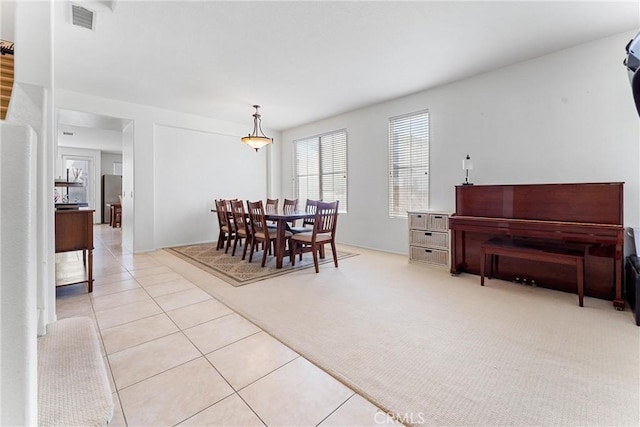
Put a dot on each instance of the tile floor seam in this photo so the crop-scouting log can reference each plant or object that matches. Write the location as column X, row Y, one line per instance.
column 143, row 342
column 269, row 373
column 234, row 392
column 122, row 305
column 234, row 342
column 252, row 410
column 165, row 272
column 226, row 345
column 157, row 373
column 335, row 410
column 130, row 321
column 201, row 323
column 117, row 392
column 159, row 283
column 106, row 356
column 204, row 409
column 173, row 292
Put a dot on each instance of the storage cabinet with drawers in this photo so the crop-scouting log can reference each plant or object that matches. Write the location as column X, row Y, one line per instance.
column 429, row 237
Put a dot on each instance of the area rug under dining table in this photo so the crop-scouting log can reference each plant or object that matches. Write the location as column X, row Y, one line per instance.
column 238, row 272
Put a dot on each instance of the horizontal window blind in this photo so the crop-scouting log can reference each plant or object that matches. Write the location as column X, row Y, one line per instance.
column 320, row 165
column 408, row 163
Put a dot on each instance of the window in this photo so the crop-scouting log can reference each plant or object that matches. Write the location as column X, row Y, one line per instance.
column 408, row 163
column 320, row 167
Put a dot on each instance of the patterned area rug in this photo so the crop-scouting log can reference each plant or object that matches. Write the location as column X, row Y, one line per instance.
column 237, row 272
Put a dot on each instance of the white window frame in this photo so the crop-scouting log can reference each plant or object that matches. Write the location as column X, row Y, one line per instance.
column 337, row 168
column 409, row 140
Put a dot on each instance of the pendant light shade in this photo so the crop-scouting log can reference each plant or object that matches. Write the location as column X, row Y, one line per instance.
column 257, row 139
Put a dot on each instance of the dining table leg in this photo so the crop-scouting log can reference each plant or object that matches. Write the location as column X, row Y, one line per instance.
column 280, row 241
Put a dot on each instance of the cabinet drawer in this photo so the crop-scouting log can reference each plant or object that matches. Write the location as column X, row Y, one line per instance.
column 432, row 256
column 430, row 238
column 419, row 221
column 438, row 222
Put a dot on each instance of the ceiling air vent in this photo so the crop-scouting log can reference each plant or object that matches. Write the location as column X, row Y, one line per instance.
column 82, row 17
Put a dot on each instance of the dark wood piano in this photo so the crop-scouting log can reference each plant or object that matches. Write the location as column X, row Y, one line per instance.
column 589, row 215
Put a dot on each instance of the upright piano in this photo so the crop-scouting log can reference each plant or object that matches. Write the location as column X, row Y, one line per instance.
column 589, row 215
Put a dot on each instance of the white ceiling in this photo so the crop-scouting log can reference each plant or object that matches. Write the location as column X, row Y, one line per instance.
column 306, row 60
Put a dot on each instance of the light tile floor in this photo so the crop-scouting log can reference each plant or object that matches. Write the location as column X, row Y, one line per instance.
column 177, row 356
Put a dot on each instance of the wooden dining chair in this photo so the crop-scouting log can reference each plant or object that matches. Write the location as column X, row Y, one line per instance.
column 261, row 233
column 310, row 207
column 290, row 205
column 271, row 205
column 116, row 214
column 225, row 224
column 241, row 226
column 324, row 231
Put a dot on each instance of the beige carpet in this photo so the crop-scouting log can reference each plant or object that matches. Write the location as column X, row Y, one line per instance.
column 440, row 350
column 237, row 272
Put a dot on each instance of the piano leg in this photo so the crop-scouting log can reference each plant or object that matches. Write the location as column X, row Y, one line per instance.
column 618, row 302
column 483, row 262
column 457, row 268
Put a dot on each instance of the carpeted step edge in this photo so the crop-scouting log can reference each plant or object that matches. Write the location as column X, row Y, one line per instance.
column 73, row 386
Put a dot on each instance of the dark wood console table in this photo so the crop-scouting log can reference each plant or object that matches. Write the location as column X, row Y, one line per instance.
column 74, row 232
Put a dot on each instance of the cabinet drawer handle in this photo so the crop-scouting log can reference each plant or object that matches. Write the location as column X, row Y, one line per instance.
column 437, row 217
column 428, row 251
column 418, row 216
column 427, row 234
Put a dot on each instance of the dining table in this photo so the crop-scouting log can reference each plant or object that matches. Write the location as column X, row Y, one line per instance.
column 281, row 217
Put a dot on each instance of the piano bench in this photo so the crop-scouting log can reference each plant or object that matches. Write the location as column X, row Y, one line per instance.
column 536, row 251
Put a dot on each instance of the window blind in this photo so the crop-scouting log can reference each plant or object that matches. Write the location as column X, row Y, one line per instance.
column 408, row 163
column 320, row 165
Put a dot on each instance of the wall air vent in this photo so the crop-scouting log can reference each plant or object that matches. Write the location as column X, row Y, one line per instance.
column 66, row 133
column 82, row 17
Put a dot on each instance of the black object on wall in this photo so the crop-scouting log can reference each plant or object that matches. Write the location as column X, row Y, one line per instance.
column 632, row 285
column 632, row 62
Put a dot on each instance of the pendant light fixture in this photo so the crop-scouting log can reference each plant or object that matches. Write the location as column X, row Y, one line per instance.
column 257, row 139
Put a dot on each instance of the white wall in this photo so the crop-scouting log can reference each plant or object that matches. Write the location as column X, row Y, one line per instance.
column 7, row 18
column 18, row 275
column 91, row 138
column 127, row 187
column 31, row 104
column 142, row 198
column 563, row 117
column 187, row 185
column 108, row 162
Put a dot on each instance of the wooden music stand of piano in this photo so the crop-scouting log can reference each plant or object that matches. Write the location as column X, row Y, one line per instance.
column 585, row 214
